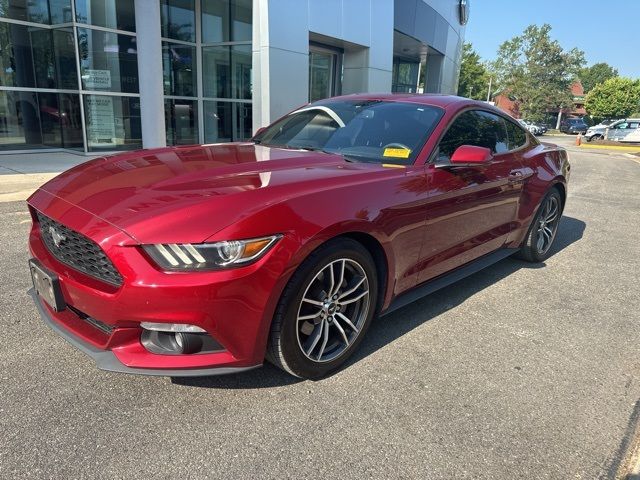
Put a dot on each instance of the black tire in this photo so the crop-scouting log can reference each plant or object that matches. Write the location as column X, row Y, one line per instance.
column 285, row 349
column 530, row 250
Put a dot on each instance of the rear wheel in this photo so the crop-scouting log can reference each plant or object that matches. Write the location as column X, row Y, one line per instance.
column 325, row 310
column 543, row 229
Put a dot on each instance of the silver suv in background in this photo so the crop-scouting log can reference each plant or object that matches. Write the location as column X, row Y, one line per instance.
column 597, row 132
column 624, row 130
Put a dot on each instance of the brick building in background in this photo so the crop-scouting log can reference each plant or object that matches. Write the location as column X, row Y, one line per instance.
column 508, row 104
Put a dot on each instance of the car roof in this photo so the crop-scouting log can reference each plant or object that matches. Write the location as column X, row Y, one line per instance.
column 433, row 99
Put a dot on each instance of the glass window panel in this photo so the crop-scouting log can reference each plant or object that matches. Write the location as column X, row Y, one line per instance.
column 37, row 57
column 113, row 123
column 244, row 121
column 181, row 119
column 31, row 120
column 51, row 121
column 42, row 56
column 227, row 121
column 179, row 69
column 477, row 128
column 241, row 62
column 517, row 136
column 19, row 121
column 226, row 21
column 227, row 71
column 60, row 11
column 216, row 71
column 118, row 14
column 108, row 61
column 405, row 76
column 28, row 10
column 65, row 59
column 69, row 105
column 218, row 122
column 178, row 19
column 24, row 53
column 321, row 75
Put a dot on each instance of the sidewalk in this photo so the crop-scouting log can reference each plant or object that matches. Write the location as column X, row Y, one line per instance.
column 21, row 174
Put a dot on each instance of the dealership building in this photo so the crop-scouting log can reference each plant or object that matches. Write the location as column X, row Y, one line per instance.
column 91, row 76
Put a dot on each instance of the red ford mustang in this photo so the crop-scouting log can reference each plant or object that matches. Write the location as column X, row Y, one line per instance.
column 203, row 260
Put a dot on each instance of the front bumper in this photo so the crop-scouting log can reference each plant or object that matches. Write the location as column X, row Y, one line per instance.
column 106, row 360
column 234, row 307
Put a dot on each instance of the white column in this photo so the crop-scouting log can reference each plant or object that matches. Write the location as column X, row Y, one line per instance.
column 280, row 58
column 150, row 73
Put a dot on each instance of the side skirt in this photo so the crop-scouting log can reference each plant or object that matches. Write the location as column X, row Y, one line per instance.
column 448, row 278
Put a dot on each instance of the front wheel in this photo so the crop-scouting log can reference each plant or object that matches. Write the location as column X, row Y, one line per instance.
column 325, row 310
column 543, row 229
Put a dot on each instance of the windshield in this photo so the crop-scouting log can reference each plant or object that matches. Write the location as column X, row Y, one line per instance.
column 365, row 131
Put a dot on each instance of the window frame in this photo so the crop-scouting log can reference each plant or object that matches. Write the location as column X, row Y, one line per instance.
column 432, row 158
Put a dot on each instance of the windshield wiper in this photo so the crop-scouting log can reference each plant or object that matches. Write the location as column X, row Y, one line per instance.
column 305, row 147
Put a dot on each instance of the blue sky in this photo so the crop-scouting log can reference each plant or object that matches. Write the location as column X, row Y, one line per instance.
column 606, row 31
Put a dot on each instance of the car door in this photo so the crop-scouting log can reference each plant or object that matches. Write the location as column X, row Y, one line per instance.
column 616, row 132
column 632, row 127
column 470, row 210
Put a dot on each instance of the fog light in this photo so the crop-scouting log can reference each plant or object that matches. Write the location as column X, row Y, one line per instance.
column 171, row 327
column 188, row 342
column 177, row 339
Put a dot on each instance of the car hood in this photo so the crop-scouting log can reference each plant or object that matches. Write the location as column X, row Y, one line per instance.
column 196, row 190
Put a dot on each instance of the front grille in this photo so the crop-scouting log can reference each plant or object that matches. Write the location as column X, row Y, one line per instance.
column 77, row 251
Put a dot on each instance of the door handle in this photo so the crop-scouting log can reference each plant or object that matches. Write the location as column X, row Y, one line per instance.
column 515, row 176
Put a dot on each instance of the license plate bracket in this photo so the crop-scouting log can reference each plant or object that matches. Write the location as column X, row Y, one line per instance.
column 47, row 286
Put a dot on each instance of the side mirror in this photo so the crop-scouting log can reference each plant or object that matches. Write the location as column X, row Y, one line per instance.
column 469, row 155
column 259, row 131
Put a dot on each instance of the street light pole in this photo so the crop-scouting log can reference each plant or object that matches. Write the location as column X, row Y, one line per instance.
column 489, row 91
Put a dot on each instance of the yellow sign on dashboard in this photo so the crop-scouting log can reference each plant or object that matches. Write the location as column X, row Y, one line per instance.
column 396, row 152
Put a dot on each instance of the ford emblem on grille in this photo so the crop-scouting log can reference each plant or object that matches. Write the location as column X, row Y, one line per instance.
column 58, row 238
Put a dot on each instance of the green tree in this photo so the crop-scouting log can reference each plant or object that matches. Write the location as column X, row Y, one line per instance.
column 474, row 79
column 617, row 97
column 596, row 74
column 537, row 71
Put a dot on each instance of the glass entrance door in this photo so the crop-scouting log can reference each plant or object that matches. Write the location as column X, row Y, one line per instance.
column 405, row 76
column 324, row 78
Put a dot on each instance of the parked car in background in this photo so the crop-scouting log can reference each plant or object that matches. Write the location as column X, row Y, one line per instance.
column 573, row 126
column 532, row 127
column 202, row 260
column 597, row 132
column 542, row 129
column 624, row 130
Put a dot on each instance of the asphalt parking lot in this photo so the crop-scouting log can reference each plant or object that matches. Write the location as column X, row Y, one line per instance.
column 520, row 371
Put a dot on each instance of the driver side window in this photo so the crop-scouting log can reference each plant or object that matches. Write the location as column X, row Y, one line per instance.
column 477, row 128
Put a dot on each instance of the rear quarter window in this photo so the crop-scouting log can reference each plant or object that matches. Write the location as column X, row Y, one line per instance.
column 517, row 136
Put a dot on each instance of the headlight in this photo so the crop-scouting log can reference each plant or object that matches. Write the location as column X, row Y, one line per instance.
column 209, row 256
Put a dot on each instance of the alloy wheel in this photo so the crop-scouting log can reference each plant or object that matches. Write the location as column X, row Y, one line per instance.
column 548, row 224
column 333, row 310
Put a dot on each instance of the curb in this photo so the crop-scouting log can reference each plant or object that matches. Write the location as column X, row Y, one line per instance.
column 611, row 147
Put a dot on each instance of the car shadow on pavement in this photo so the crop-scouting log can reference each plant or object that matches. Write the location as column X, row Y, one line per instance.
column 385, row 330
